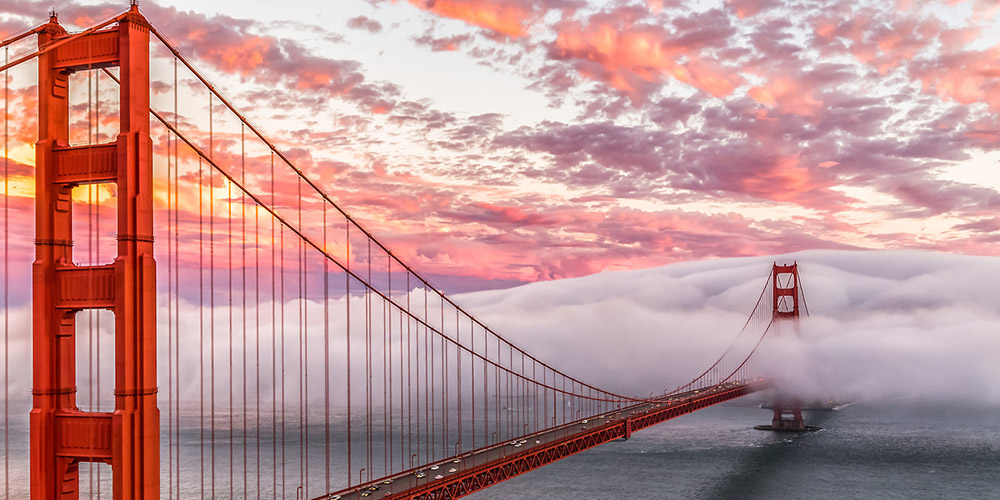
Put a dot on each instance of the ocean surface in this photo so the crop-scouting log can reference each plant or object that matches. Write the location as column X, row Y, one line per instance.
column 896, row 449
column 868, row 450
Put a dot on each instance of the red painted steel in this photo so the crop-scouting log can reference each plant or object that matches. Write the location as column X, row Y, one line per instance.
column 62, row 436
column 786, row 294
column 97, row 50
column 87, row 164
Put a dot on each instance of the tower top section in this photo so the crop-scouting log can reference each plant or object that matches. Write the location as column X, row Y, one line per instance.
column 785, row 286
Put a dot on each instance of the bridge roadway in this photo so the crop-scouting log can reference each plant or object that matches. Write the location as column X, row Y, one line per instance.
column 472, row 471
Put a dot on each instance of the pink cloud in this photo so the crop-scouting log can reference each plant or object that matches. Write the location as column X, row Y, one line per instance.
column 966, row 77
column 747, row 8
column 507, row 17
column 632, row 54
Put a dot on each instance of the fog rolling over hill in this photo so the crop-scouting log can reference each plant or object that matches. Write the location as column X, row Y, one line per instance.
column 882, row 323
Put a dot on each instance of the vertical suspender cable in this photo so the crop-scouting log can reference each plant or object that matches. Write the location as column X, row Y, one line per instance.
column 243, row 291
column 177, row 352
column 402, row 444
column 368, row 366
column 387, row 366
column 232, row 383
column 427, row 382
column 444, row 388
column 522, row 401
column 303, row 357
column 347, row 306
column 256, row 286
column 432, row 394
column 274, row 351
column 385, row 392
column 91, row 241
column 409, row 375
column 171, row 295
column 534, row 396
column 486, row 392
column 211, row 285
column 458, row 382
column 97, row 251
column 281, row 246
column 472, row 383
column 386, row 389
column 201, row 320
column 6, row 279
column 402, row 382
column 326, row 356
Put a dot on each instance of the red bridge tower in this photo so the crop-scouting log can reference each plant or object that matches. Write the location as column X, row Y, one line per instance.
column 785, row 289
column 62, row 436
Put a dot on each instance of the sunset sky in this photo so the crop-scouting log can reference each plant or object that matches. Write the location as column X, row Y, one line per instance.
column 504, row 141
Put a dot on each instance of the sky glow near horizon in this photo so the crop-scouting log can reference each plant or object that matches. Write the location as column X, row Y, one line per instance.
column 495, row 142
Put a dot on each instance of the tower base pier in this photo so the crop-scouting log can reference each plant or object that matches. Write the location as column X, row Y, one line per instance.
column 787, row 417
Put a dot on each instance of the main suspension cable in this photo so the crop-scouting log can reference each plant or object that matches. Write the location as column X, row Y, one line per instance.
column 326, row 197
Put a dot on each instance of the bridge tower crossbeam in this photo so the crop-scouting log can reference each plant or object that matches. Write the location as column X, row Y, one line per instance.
column 61, row 435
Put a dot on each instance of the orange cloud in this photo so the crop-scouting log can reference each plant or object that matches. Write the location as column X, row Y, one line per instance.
column 783, row 180
column 788, row 96
column 634, row 55
column 967, row 77
column 747, row 8
column 506, row 17
column 246, row 56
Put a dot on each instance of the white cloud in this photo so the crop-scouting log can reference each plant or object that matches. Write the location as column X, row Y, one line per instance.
column 883, row 323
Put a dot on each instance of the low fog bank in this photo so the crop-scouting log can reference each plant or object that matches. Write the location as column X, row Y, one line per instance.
column 882, row 324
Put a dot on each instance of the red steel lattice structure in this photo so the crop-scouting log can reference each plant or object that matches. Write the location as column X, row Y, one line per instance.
column 62, row 436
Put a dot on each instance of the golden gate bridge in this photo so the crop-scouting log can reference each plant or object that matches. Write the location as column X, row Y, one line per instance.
column 285, row 349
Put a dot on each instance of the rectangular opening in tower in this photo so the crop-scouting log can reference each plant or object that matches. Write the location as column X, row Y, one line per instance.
column 94, row 108
column 786, row 288
column 95, row 224
column 95, row 360
column 95, row 480
column 785, row 281
column 785, row 305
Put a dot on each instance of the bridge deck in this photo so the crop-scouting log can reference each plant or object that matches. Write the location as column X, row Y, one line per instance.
column 461, row 475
